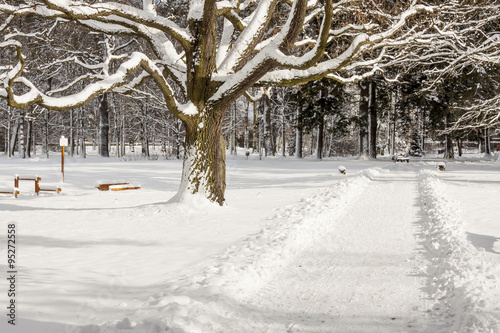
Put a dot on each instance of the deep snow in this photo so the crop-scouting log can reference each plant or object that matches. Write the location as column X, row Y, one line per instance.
column 299, row 247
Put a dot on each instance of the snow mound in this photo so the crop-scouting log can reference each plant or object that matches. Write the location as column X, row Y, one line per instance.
column 462, row 282
column 208, row 301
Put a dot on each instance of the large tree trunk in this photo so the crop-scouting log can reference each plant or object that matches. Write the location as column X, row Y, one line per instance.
column 364, row 94
column 204, row 168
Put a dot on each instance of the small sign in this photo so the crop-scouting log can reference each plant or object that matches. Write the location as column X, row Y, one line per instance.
column 63, row 142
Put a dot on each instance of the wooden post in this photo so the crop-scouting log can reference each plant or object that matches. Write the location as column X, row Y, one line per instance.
column 63, row 142
column 62, row 163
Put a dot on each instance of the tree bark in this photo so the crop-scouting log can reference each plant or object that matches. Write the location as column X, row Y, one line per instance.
column 9, row 131
column 204, row 167
column 71, row 133
column 372, row 129
column 448, row 152
column 283, row 145
column 298, row 135
column 487, row 145
column 104, row 125
column 29, row 139
column 364, row 94
column 13, row 138
column 21, row 145
column 319, row 141
column 246, row 126
column 82, row 137
column 145, row 140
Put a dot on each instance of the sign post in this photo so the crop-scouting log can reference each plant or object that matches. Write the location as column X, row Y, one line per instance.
column 63, row 142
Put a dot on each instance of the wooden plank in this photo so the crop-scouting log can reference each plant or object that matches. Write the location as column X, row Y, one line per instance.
column 124, row 187
column 48, row 188
column 14, row 192
column 105, row 186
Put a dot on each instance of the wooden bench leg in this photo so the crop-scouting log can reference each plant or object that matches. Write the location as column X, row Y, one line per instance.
column 37, row 186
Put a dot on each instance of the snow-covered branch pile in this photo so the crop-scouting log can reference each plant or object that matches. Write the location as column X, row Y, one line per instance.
column 462, row 281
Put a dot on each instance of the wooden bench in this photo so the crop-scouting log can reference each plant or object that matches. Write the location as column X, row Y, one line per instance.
column 124, row 187
column 402, row 159
column 105, row 186
column 34, row 178
column 14, row 191
column 49, row 188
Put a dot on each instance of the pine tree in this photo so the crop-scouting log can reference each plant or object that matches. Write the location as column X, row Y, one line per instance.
column 415, row 149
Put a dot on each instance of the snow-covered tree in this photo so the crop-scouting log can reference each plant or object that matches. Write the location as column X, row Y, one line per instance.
column 202, row 64
column 415, row 149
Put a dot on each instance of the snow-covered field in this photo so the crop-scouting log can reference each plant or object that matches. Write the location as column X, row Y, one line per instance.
column 299, row 247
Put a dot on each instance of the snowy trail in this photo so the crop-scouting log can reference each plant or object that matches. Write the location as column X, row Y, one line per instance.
column 303, row 250
column 365, row 275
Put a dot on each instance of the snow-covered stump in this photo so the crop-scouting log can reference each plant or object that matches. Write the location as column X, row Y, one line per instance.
column 441, row 166
column 342, row 170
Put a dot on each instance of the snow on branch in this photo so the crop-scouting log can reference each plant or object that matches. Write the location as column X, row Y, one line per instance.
column 106, row 83
column 109, row 12
column 482, row 114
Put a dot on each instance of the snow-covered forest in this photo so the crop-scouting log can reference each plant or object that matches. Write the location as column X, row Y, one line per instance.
column 259, row 74
column 279, row 111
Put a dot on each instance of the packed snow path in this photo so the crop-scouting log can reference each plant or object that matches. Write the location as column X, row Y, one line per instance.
column 362, row 276
column 384, row 250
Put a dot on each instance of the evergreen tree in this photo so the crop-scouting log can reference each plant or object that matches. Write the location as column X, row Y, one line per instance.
column 415, row 149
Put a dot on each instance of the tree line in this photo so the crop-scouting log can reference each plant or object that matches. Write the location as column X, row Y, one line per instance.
column 127, row 64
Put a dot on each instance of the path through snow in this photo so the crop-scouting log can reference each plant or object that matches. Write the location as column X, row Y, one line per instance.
column 357, row 257
column 363, row 275
column 376, row 250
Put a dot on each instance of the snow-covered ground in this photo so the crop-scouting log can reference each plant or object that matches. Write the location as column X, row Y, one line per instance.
column 299, row 247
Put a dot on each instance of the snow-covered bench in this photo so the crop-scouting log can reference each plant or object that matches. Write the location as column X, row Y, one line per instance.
column 104, row 186
column 402, row 159
column 11, row 191
column 34, row 178
column 50, row 188
column 124, row 187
